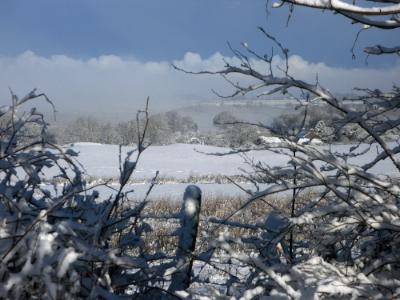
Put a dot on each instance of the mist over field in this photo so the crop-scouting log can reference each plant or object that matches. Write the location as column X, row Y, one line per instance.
column 88, row 86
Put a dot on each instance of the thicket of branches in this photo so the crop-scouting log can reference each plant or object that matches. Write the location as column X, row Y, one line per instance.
column 66, row 242
column 343, row 241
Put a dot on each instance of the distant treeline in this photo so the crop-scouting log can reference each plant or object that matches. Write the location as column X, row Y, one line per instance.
column 229, row 130
column 165, row 128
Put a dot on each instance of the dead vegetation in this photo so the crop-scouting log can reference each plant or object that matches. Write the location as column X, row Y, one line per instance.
column 214, row 207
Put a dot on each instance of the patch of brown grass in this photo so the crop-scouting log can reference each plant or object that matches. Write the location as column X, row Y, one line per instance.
column 163, row 237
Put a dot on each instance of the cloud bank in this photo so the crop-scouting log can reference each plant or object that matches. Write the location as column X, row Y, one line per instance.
column 117, row 84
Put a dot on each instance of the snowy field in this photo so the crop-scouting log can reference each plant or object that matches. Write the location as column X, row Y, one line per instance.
column 179, row 161
column 183, row 160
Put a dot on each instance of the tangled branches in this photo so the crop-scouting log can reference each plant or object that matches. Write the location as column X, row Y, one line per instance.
column 347, row 233
column 62, row 241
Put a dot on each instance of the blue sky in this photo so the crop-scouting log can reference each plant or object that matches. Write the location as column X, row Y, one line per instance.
column 166, row 30
column 163, row 31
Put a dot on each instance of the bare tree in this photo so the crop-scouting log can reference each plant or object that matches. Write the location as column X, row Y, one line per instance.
column 60, row 241
column 346, row 233
column 383, row 14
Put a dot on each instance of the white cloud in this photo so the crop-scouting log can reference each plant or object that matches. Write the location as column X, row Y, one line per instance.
column 342, row 79
column 113, row 83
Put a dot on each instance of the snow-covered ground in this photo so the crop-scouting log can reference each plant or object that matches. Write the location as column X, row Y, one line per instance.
column 182, row 160
column 178, row 160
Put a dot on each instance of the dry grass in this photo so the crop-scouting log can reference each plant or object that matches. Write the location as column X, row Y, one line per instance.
column 163, row 237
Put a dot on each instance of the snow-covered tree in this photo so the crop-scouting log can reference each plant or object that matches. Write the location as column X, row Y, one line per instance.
column 343, row 240
column 62, row 241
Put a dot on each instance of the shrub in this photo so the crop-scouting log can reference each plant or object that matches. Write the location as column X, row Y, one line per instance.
column 64, row 241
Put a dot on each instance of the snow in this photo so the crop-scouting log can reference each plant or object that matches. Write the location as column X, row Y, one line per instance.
column 70, row 257
column 191, row 206
column 269, row 140
column 86, row 144
column 180, row 161
column 183, row 160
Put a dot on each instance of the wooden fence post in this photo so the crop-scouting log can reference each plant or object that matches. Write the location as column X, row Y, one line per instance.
column 190, row 216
